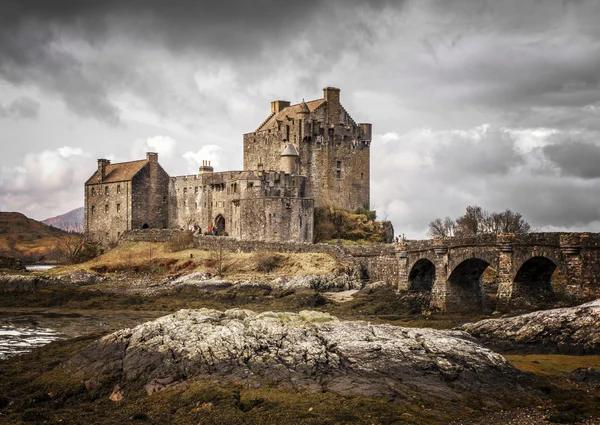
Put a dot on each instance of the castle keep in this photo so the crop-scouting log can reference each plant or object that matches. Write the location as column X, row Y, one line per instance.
column 302, row 156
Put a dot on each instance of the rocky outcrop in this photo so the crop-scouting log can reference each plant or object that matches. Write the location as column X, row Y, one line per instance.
column 21, row 283
column 574, row 330
column 322, row 283
column 309, row 350
column 80, row 277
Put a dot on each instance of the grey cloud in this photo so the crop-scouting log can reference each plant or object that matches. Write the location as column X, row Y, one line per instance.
column 493, row 153
column 22, row 107
column 33, row 34
column 579, row 159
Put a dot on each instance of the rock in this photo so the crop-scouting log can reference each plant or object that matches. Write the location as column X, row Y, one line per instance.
column 372, row 287
column 20, row 283
column 321, row 283
column 248, row 286
column 587, row 376
column 11, row 264
column 198, row 280
column 79, row 277
column 309, row 350
column 573, row 330
column 117, row 394
column 192, row 276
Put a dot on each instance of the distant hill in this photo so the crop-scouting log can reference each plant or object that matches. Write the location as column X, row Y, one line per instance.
column 27, row 239
column 70, row 222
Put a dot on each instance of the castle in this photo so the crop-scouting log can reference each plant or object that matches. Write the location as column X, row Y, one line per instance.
column 312, row 154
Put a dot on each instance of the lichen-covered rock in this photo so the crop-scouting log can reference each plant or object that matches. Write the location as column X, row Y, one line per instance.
column 573, row 330
column 80, row 277
column 321, row 283
column 20, row 283
column 201, row 281
column 307, row 349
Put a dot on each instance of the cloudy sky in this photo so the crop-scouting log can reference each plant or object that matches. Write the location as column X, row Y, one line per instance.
column 494, row 103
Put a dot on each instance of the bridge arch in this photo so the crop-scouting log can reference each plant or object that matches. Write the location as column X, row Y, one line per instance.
column 533, row 281
column 422, row 275
column 464, row 291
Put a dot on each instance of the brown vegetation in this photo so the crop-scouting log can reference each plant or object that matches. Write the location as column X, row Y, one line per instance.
column 331, row 224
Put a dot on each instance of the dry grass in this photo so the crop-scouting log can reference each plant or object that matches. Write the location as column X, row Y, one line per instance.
column 157, row 258
column 552, row 364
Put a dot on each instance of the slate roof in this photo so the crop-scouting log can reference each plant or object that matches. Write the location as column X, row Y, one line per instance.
column 291, row 111
column 122, row 171
column 290, row 150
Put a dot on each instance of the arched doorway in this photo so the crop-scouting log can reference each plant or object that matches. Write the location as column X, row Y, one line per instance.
column 422, row 275
column 532, row 286
column 219, row 225
column 145, row 226
column 464, row 291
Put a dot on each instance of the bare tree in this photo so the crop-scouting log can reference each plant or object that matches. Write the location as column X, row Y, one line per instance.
column 70, row 247
column 439, row 228
column 476, row 220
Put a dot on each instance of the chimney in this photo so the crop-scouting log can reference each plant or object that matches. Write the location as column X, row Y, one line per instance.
column 206, row 168
column 332, row 96
column 279, row 105
column 102, row 163
column 152, row 157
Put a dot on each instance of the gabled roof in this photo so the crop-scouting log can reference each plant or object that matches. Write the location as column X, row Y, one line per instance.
column 122, row 171
column 291, row 112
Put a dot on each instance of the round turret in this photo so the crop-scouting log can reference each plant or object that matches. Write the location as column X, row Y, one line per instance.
column 289, row 159
column 303, row 110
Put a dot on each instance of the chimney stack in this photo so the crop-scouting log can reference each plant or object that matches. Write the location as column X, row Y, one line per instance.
column 152, row 156
column 102, row 163
column 278, row 105
column 206, row 168
column 332, row 96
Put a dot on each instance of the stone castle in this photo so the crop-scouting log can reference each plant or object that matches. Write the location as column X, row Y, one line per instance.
column 302, row 156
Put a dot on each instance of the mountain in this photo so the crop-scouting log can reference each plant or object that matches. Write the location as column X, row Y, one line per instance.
column 28, row 239
column 70, row 222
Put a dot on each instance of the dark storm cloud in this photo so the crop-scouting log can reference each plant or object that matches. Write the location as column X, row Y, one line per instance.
column 579, row 159
column 22, row 107
column 33, row 35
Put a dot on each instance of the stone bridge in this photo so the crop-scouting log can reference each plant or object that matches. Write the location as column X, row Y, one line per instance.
column 523, row 268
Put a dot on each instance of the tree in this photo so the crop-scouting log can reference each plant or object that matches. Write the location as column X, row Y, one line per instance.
column 439, row 228
column 476, row 220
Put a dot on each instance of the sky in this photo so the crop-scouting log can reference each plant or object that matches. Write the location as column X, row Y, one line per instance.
column 473, row 102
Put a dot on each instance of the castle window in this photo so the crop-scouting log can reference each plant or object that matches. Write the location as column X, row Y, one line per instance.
column 93, row 192
column 361, row 176
column 330, row 132
column 338, row 169
column 185, row 202
column 106, row 190
column 118, row 188
column 164, row 199
column 184, row 190
column 118, row 207
column 106, row 208
column 93, row 209
column 196, row 189
column 287, row 132
column 196, row 205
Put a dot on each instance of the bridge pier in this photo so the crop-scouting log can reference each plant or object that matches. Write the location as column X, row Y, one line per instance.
column 439, row 292
column 402, row 257
column 504, row 276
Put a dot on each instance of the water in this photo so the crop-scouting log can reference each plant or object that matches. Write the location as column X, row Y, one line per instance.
column 18, row 339
column 39, row 267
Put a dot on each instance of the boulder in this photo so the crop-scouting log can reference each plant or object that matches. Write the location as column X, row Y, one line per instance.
column 572, row 330
column 20, row 283
column 79, row 277
column 308, row 350
column 322, row 283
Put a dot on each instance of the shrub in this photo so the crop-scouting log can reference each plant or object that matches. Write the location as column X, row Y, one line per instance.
column 266, row 262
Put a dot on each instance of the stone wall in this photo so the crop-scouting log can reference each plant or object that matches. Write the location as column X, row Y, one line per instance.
column 376, row 263
column 149, row 196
